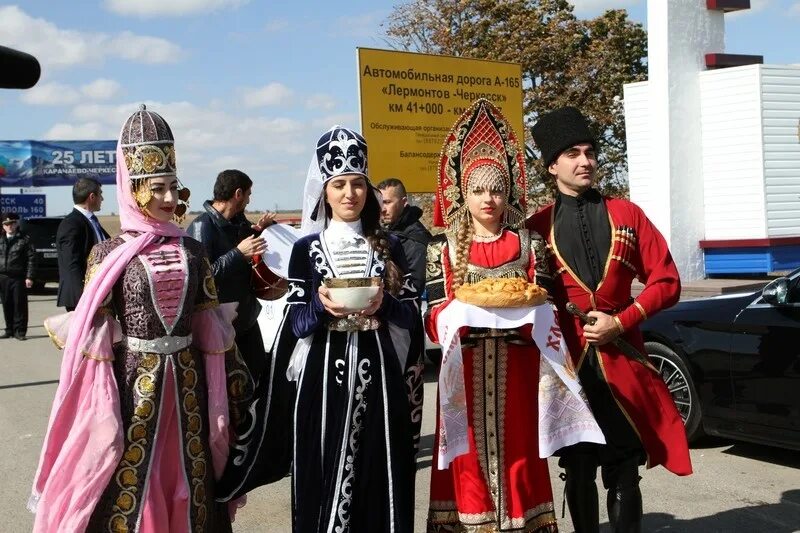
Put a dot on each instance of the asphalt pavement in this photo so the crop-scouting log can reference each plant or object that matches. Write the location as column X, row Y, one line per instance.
column 736, row 487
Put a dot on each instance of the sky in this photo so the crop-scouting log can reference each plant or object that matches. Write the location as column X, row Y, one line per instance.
column 244, row 84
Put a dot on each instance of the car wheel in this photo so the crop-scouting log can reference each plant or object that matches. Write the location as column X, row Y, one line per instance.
column 681, row 386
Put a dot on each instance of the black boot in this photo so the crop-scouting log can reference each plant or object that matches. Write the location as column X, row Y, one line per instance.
column 624, row 499
column 581, row 492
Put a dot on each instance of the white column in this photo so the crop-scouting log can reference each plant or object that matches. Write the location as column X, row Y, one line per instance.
column 680, row 33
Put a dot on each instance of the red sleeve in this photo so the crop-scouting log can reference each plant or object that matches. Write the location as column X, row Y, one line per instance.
column 656, row 269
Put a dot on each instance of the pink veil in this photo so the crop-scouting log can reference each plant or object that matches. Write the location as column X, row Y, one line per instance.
column 71, row 443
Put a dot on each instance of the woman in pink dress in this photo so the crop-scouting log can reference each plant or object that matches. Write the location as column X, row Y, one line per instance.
column 139, row 427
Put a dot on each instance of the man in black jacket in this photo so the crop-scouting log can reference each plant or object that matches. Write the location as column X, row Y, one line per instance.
column 231, row 242
column 402, row 220
column 77, row 233
column 17, row 263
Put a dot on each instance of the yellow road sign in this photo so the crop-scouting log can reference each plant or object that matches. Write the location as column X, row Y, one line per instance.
column 410, row 101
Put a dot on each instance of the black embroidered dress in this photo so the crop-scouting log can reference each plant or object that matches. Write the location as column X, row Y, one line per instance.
column 353, row 459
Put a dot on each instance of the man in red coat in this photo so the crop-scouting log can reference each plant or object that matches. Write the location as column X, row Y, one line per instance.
column 597, row 246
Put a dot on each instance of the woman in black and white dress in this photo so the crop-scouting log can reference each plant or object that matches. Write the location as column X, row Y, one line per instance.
column 353, row 453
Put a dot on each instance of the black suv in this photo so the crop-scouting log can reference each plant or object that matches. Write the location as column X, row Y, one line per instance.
column 42, row 231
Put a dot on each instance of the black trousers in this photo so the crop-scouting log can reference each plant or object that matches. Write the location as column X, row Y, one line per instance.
column 15, row 304
column 618, row 460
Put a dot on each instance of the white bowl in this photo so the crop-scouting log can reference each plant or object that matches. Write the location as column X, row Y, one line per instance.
column 356, row 298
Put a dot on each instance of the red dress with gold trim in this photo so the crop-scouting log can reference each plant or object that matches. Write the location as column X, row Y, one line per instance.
column 501, row 484
column 637, row 251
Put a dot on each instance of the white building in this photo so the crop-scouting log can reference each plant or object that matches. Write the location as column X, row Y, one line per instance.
column 713, row 149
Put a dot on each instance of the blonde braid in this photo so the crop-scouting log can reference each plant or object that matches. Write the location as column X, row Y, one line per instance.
column 463, row 243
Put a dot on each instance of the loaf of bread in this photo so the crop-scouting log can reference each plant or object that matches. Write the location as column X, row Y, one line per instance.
column 502, row 292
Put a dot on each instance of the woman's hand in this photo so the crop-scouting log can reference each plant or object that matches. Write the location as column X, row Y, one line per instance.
column 374, row 304
column 331, row 307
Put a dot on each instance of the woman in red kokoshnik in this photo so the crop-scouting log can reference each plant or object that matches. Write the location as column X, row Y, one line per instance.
column 596, row 247
column 500, row 484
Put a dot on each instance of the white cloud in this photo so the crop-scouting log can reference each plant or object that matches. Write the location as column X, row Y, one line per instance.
column 200, row 127
column 273, row 150
column 322, row 101
column 349, row 120
column 276, row 25
column 362, row 26
column 88, row 131
column 594, row 7
column 143, row 49
column 50, row 94
column 101, row 89
column 55, row 47
column 169, row 8
column 60, row 94
column 272, row 94
column 794, row 9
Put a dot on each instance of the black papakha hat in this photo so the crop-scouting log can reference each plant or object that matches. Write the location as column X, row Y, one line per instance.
column 558, row 130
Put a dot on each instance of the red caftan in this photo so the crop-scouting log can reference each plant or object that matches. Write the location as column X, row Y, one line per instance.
column 637, row 251
column 501, row 484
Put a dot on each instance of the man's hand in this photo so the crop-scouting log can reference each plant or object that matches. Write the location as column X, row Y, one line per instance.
column 603, row 331
column 28, row 283
column 266, row 220
column 252, row 246
column 331, row 307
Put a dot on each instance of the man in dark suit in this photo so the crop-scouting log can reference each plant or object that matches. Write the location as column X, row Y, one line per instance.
column 77, row 233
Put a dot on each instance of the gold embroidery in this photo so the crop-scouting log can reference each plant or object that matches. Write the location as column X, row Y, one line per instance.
column 210, row 304
column 88, row 355
column 443, row 516
column 58, row 342
column 491, row 430
column 147, row 159
column 433, row 268
column 641, row 309
column 209, row 286
column 582, row 357
column 91, row 271
column 480, row 359
column 193, row 444
column 501, row 503
column 354, row 323
column 518, row 268
column 128, row 475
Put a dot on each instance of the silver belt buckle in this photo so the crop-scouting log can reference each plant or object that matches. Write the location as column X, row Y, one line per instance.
column 162, row 345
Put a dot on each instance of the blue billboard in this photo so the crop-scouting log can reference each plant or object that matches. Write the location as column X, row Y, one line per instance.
column 50, row 163
column 25, row 205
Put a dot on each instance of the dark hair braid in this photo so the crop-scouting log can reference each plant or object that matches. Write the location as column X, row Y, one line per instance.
column 379, row 240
